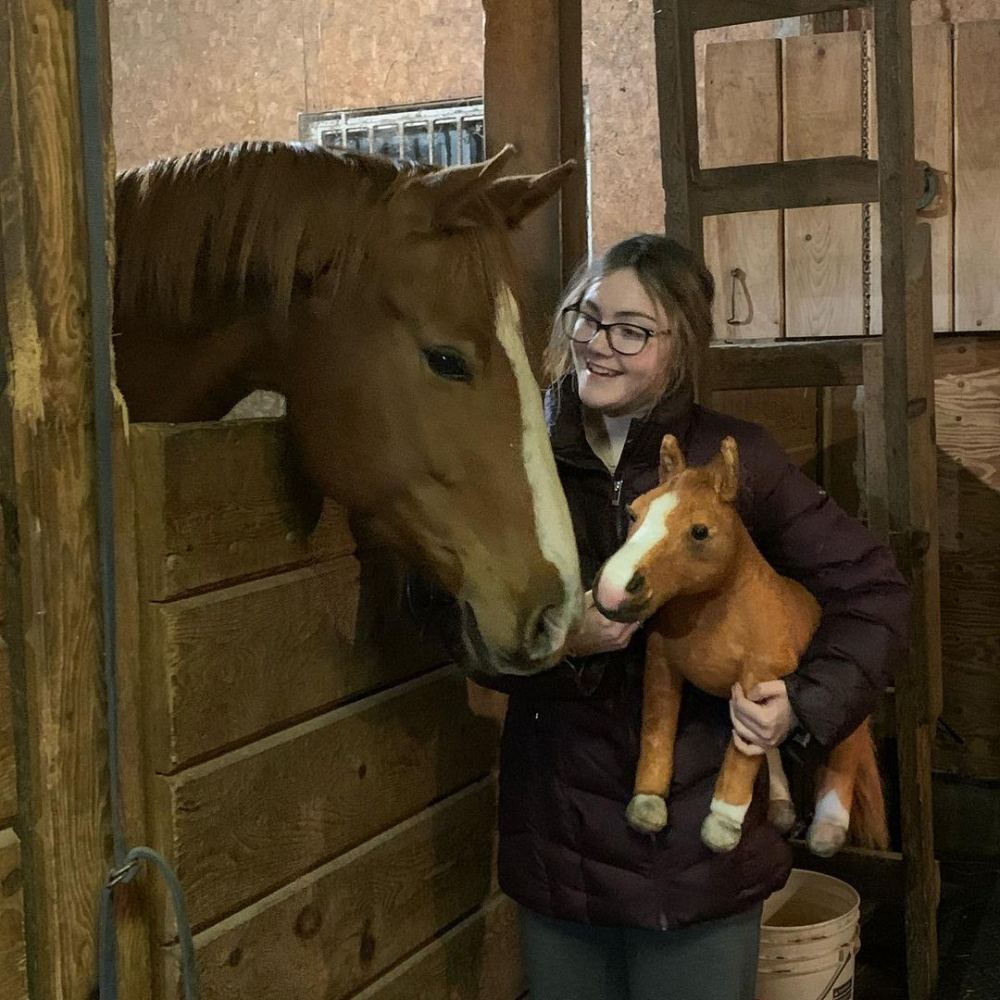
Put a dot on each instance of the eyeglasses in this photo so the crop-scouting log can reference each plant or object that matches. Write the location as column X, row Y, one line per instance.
column 623, row 338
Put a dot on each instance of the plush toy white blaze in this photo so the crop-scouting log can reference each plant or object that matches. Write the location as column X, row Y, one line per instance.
column 620, row 569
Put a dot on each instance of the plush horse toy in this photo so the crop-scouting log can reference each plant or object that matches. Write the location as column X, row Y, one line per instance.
column 717, row 614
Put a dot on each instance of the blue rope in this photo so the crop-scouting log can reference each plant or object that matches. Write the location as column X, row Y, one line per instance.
column 126, row 863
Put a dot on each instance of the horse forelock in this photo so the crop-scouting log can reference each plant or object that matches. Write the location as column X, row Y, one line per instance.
column 219, row 228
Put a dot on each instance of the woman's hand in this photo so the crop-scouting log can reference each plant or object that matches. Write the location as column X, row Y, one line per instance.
column 597, row 634
column 762, row 717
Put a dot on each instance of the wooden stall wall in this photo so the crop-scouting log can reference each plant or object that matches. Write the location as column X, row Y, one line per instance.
column 12, row 952
column 818, row 284
column 312, row 768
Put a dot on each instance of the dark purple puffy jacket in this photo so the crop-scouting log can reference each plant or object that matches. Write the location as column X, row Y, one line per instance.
column 571, row 738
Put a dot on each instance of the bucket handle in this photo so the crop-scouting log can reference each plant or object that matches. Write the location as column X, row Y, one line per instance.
column 846, row 954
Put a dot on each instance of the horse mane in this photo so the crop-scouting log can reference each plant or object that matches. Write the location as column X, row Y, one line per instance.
column 219, row 228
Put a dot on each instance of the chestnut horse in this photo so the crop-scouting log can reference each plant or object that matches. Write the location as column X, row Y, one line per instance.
column 719, row 614
column 383, row 300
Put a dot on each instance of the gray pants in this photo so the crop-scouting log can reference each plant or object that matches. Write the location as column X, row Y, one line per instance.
column 715, row 960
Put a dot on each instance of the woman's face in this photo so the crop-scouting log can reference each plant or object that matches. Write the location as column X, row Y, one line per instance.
column 616, row 384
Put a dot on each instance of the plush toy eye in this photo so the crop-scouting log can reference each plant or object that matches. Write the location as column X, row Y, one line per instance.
column 447, row 363
column 699, row 532
column 632, row 516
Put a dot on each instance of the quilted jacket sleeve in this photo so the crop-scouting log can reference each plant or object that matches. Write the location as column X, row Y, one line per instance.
column 863, row 630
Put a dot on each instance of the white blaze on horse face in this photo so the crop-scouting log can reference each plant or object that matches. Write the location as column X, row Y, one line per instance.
column 622, row 566
column 553, row 527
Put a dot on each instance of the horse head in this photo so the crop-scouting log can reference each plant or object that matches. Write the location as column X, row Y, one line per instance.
column 412, row 400
column 683, row 538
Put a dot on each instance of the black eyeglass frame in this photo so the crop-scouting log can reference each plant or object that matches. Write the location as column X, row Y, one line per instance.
column 606, row 327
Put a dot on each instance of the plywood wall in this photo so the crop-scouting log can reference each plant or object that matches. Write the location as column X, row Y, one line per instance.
column 311, row 767
column 197, row 73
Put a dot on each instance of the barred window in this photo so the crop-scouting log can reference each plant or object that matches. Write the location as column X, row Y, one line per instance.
column 444, row 133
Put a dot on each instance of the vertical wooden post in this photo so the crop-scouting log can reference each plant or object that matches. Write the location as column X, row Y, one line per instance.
column 677, row 103
column 533, row 97
column 47, row 454
column 910, row 480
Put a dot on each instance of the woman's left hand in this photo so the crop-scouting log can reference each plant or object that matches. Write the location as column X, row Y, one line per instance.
column 762, row 717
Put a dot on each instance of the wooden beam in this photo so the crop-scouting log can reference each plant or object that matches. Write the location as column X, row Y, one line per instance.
column 48, row 470
column 13, row 984
column 540, row 110
column 832, row 180
column 877, row 875
column 721, row 13
column 776, row 364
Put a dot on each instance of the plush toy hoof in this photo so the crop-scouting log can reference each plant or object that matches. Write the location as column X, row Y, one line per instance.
column 825, row 838
column 781, row 813
column 720, row 833
column 647, row 813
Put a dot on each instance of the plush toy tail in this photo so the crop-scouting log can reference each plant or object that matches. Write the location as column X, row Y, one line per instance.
column 869, row 827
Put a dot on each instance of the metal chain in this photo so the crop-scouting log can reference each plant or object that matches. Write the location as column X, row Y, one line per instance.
column 866, row 208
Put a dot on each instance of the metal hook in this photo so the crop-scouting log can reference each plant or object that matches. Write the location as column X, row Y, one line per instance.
column 739, row 275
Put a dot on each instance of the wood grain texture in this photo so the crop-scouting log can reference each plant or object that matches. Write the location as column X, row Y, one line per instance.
column 743, row 125
column 13, row 981
column 348, row 922
column 8, row 772
column 525, row 108
column 933, row 144
column 245, row 824
column 477, row 958
column 47, row 477
column 225, row 667
column 789, row 415
column 786, row 364
column 977, row 178
column 968, row 443
column 213, row 507
column 822, row 89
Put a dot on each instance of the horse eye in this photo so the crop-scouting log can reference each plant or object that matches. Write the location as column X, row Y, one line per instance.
column 632, row 516
column 447, row 363
column 699, row 532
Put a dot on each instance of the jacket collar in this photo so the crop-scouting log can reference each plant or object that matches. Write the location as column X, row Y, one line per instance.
column 564, row 414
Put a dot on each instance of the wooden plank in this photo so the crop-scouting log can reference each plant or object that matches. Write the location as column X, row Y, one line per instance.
column 243, row 825
column 47, row 471
column 933, row 139
column 213, row 507
column 540, row 110
column 791, row 364
column 821, row 181
column 743, row 251
column 212, row 660
column 841, row 471
column 789, row 414
column 8, row 771
column 822, row 88
column 13, row 976
column 968, row 455
column 350, row 921
column 977, row 177
column 477, row 958
column 877, row 875
column 719, row 13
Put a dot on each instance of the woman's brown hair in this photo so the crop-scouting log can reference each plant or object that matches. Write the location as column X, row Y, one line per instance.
column 672, row 275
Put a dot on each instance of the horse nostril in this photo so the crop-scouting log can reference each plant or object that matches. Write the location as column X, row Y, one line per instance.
column 544, row 632
column 637, row 583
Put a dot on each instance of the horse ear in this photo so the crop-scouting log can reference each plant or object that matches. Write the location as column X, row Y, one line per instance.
column 726, row 470
column 671, row 459
column 517, row 197
column 453, row 188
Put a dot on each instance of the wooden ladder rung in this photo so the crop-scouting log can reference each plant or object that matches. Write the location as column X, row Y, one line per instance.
column 721, row 13
column 832, row 180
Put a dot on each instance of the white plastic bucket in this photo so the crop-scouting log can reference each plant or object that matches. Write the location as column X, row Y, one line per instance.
column 808, row 940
